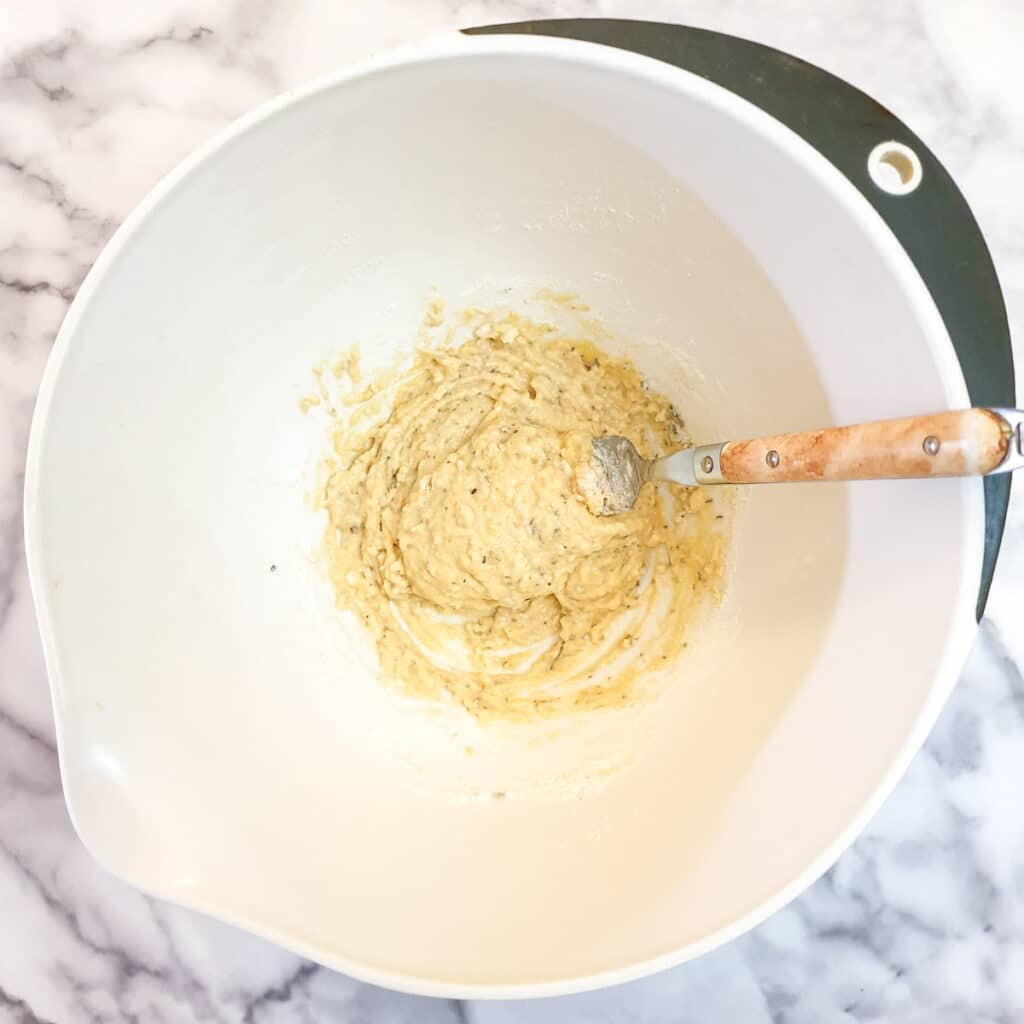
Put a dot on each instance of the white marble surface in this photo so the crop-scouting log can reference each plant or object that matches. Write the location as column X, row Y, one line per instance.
column 921, row 921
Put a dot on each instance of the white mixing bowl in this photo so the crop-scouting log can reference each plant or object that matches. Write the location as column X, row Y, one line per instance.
column 223, row 741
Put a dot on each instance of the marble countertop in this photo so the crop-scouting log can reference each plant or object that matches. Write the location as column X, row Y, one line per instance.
column 922, row 920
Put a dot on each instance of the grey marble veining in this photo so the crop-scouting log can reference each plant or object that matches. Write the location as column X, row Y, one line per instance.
column 921, row 921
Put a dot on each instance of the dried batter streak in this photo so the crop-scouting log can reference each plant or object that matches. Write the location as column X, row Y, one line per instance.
column 458, row 533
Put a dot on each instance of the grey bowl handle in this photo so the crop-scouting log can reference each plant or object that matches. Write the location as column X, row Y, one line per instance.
column 844, row 125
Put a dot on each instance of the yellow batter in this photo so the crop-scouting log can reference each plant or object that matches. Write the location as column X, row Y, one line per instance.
column 459, row 534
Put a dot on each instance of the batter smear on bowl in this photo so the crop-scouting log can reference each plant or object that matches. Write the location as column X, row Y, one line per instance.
column 459, row 529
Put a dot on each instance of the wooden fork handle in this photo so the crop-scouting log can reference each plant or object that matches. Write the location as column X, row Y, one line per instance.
column 963, row 443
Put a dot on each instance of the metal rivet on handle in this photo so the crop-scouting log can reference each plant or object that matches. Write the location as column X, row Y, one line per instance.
column 772, row 458
column 707, row 464
column 931, row 445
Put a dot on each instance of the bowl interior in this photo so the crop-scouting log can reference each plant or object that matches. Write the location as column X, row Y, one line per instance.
column 223, row 740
